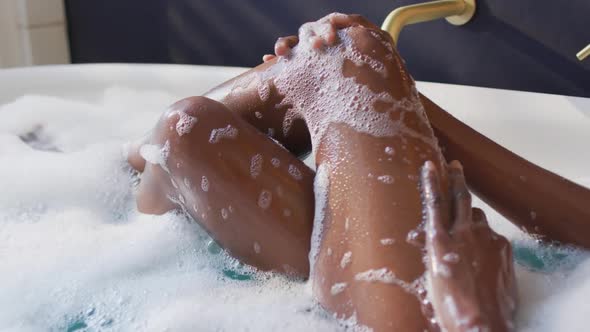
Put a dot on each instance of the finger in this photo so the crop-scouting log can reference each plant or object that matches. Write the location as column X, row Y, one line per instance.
column 341, row 21
column 317, row 42
column 461, row 196
column 438, row 241
column 479, row 217
column 331, row 36
column 432, row 197
column 291, row 41
column 284, row 45
column 268, row 57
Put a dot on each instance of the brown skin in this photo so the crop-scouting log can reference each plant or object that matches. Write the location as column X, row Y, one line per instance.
column 268, row 237
column 541, row 202
column 386, row 211
column 375, row 210
column 470, row 268
column 241, row 95
column 559, row 205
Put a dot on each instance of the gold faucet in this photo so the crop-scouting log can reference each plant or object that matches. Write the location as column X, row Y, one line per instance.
column 585, row 52
column 457, row 12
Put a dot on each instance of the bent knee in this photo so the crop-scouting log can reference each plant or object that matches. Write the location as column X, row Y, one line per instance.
column 190, row 114
column 196, row 107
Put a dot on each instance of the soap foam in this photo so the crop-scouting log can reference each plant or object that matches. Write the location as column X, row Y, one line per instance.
column 227, row 132
column 256, row 165
column 315, row 89
column 157, row 155
column 76, row 254
column 185, row 123
column 321, row 188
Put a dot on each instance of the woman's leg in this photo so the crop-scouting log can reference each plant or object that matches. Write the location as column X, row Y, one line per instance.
column 253, row 196
column 369, row 259
column 255, row 99
column 539, row 201
column 544, row 204
column 370, row 138
column 368, row 202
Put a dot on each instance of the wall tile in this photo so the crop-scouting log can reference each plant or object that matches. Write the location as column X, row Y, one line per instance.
column 40, row 12
column 49, row 45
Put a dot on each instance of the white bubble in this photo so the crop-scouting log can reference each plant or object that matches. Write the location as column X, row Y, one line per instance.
column 204, row 183
column 337, row 288
column 265, row 199
column 295, row 172
column 387, row 179
column 263, row 91
column 156, row 154
column 387, row 241
column 346, row 258
column 185, row 123
column 256, row 165
column 451, row 257
column 441, row 270
column 257, row 248
column 228, row 132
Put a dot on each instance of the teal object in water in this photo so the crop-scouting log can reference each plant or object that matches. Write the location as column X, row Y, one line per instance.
column 213, row 248
column 84, row 322
column 544, row 258
column 236, row 275
column 76, row 326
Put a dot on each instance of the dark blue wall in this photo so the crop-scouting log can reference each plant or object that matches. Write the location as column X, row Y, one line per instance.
column 522, row 45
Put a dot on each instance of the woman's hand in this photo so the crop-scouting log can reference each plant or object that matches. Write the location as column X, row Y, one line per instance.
column 469, row 266
column 322, row 37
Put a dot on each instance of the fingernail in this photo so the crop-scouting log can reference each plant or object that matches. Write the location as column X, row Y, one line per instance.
column 429, row 166
column 456, row 164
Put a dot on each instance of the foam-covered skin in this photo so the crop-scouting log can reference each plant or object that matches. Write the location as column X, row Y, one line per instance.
column 233, row 101
column 368, row 181
column 470, row 267
column 248, row 192
column 539, row 201
column 370, row 138
column 256, row 100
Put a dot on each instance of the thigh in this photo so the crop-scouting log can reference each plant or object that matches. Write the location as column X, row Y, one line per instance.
column 252, row 195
